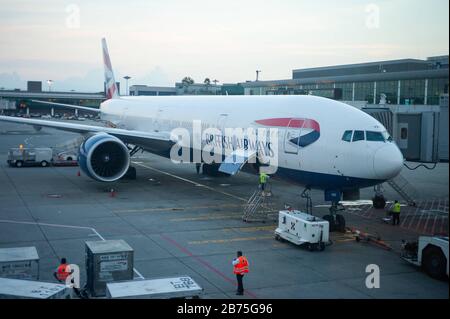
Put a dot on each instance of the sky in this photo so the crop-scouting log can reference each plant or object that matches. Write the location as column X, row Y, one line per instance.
column 158, row 42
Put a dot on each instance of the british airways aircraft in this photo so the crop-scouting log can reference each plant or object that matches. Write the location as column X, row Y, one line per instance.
column 322, row 144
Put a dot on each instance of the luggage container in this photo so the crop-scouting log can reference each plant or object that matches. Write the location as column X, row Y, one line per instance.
column 302, row 229
column 19, row 263
column 107, row 261
column 27, row 289
column 163, row 288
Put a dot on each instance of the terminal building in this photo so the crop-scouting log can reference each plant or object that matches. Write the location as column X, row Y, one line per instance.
column 409, row 97
column 20, row 101
column 190, row 89
column 406, row 81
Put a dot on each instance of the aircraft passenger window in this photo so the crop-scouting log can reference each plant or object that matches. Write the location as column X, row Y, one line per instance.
column 374, row 136
column 358, row 136
column 347, row 136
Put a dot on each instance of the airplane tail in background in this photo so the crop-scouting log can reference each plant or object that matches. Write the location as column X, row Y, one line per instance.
column 110, row 82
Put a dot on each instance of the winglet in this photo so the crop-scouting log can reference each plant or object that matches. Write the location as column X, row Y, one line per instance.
column 110, row 82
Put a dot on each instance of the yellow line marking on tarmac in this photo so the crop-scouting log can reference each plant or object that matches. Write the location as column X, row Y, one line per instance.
column 192, row 182
column 224, row 241
column 208, row 217
column 258, row 228
column 173, row 209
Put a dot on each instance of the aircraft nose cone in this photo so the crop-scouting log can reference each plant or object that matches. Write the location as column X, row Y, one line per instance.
column 387, row 162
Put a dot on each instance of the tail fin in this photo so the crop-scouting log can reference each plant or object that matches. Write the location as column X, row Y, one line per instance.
column 110, row 82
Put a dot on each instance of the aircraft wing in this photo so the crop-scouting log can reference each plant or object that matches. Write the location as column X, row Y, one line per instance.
column 150, row 140
column 75, row 107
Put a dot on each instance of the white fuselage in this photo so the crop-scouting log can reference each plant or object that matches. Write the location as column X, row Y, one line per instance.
column 328, row 162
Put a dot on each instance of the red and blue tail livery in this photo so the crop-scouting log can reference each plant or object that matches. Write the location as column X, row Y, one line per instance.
column 309, row 130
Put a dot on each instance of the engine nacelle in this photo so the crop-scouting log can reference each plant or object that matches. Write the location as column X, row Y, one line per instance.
column 104, row 157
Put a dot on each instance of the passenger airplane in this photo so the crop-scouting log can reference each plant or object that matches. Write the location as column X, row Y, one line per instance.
column 323, row 144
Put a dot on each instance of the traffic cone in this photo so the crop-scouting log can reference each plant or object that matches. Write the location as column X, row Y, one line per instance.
column 112, row 192
column 78, row 173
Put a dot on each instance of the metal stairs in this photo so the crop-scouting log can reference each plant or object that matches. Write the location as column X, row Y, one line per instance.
column 72, row 145
column 259, row 207
column 404, row 189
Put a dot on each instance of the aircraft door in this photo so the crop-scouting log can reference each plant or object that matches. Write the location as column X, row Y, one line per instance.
column 292, row 136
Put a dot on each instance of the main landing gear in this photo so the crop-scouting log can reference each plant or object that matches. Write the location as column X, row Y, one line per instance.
column 337, row 221
column 379, row 201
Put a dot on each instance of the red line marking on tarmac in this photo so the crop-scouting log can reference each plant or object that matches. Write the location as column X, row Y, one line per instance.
column 442, row 225
column 205, row 263
column 413, row 217
column 434, row 224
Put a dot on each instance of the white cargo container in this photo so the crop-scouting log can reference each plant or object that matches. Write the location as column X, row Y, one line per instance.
column 107, row 261
column 27, row 289
column 163, row 288
column 301, row 228
column 19, row 263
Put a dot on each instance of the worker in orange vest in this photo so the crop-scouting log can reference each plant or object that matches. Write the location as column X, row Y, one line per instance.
column 240, row 265
column 63, row 271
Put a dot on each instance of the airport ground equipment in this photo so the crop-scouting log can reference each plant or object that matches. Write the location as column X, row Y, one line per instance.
column 107, row 261
column 28, row 289
column 430, row 253
column 361, row 236
column 39, row 156
column 162, row 288
column 259, row 206
column 302, row 229
column 19, row 263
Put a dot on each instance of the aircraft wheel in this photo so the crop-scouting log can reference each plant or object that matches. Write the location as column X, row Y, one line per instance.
column 330, row 220
column 340, row 223
column 379, row 202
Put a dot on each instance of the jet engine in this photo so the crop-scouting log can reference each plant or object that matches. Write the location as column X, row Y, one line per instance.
column 104, row 157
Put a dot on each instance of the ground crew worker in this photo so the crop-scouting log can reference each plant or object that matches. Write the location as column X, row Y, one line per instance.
column 263, row 177
column 396, row 213
column 240, row 267
column 63, row 271
column 197, row 167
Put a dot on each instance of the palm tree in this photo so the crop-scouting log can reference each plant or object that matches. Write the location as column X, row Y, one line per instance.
column 187, row 80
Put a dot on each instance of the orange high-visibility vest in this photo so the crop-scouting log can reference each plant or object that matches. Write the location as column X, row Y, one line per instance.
column 63, row 272
column 241, row 267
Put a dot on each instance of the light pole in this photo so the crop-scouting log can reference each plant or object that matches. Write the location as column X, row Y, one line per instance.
column 215, row 83
column 50, row 83
column 127, row 78
column 257, row 74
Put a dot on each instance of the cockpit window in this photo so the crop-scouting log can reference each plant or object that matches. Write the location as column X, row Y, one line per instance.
column 374, row 136
column 387, row 137
column 347, row 136
column 358, row 136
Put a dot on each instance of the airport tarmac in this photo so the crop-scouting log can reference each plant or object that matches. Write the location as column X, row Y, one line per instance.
column 181, row 223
